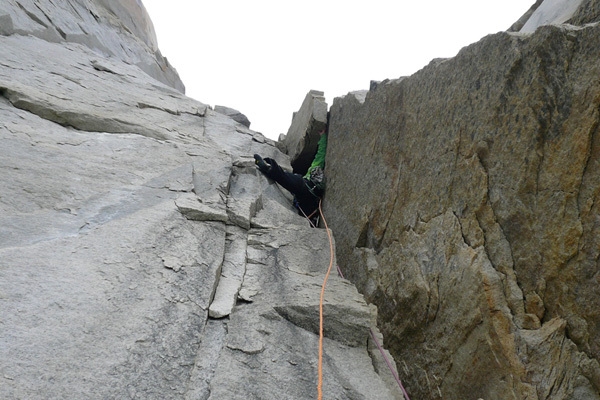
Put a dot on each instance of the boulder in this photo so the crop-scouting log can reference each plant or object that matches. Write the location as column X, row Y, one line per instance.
column 233, row 114
column 302, row 138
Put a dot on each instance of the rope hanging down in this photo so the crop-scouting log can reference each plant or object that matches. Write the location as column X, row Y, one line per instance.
column 320, row 368
column 321, row 300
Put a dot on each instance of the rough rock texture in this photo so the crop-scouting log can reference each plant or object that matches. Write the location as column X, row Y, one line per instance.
column 142, row 255
column 117, row 28
column 302, row 138
column 469, row 213
column 270, row 348
column 588, row 12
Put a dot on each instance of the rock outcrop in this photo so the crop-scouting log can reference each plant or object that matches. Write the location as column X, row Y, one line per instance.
column 233, row 114
column 142, row 255
column 469, row 214
column 302, row 139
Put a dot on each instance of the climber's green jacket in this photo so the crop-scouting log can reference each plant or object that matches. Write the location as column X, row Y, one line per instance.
column 319, row 160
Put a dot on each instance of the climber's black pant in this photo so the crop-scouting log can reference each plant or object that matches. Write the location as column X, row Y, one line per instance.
column 295, row 184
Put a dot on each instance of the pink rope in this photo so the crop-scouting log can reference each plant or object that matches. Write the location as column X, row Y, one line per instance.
column 389, row 364
column 385, row 357
column 308, row 216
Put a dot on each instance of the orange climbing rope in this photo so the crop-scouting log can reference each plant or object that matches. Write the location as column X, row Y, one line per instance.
column 320, row 368
column 321, row 301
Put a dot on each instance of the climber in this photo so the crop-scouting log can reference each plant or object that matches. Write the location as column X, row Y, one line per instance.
column 307, row 189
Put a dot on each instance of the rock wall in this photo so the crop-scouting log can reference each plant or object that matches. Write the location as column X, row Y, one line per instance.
column 465, row 203
column 142, row 255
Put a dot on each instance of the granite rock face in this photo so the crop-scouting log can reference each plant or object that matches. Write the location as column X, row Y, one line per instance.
column 142, row 255
column 469, row 214
column 115, row 28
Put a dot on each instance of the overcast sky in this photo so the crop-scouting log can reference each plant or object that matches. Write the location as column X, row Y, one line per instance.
column 261, row 57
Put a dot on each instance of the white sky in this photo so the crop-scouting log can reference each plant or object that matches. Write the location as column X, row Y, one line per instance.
column 261, row 57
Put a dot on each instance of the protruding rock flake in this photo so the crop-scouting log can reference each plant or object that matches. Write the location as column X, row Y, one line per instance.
column 302, row 138
column 233, row 114
column 191, row 207
column 232, row 273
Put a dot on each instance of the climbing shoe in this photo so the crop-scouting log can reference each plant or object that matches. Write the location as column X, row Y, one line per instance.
column 261, row 164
